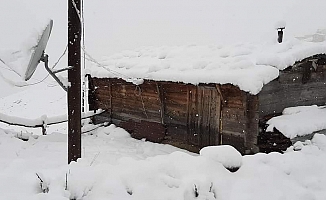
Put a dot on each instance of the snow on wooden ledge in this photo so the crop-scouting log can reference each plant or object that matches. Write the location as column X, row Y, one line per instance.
column 247, row 66
column 299, row 121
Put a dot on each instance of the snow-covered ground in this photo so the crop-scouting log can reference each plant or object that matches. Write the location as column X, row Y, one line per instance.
column 115, row 166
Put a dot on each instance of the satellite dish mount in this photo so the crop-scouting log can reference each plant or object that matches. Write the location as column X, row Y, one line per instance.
column 39, row 55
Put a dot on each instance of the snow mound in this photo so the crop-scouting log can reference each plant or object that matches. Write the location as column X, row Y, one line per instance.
column 299, row 121
column 320, row 141
column 114, row 167
column 227, row 155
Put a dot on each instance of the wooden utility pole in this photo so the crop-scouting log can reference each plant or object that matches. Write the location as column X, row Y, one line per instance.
column 74, row 78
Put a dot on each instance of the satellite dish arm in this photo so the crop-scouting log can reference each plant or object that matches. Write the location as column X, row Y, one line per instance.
column 45, row 59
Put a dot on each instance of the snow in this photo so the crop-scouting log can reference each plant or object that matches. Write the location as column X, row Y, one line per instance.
column 186, row 40
column 43, row 120
column 227, row 155
column 225, row 24
column 248, row 66
column 280, row 24
column 299, row 121
column 115, row 166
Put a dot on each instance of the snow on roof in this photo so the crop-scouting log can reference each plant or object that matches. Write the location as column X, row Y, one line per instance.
column 248, row 66
column 299, row 121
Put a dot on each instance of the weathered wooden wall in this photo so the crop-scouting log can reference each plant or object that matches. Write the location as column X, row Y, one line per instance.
column 204, row 110
column 239, row 119
column 181, row 114
column 300, row 85
column 303, row 84
column 192, row 116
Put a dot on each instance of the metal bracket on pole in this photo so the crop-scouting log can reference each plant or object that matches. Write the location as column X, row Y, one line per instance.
column 45, row 59
column 61, row 70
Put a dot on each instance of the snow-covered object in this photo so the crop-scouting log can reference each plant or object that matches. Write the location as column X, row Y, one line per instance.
column 280, row 24
column 299, row 121
column 227, row 155
column 43, row 120
column 248, row 66
column 18, row 60
column 320, row 141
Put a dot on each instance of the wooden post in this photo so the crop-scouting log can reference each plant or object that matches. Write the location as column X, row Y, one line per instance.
column 74, row 78
column 44, row 128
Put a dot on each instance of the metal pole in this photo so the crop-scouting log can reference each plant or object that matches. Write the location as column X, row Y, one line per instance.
column 74, row 94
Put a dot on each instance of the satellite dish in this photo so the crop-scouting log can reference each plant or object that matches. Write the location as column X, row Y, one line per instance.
column 39, row 51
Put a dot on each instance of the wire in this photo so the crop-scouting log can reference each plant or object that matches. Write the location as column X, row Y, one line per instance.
column 77, row 11
column 55, row 64
column 40, row 81
column 91, row 59
column 9, row 68
column 81, row 18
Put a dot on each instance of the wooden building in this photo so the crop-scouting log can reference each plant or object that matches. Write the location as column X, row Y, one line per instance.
column 194, row 116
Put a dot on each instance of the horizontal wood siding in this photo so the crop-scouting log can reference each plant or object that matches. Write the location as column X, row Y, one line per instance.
column 175, row 98
column 291, row 90
column 190, row 114
column 303, row 84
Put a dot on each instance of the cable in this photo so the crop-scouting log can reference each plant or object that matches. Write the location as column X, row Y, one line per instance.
column 9, row 68
column 40, row 81
column 91, row 59
column 77, row 11
column 81, row 18
column 55, row 64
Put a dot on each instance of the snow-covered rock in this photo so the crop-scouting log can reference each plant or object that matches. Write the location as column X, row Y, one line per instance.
column 227, row 155
column 299, row 121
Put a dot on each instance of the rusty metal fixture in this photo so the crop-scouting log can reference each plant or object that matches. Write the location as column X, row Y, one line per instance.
column 280, row 34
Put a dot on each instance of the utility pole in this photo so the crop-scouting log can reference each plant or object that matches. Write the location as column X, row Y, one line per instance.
column 74, row 78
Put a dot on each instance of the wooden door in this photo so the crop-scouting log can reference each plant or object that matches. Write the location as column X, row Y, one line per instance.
column 204, row 116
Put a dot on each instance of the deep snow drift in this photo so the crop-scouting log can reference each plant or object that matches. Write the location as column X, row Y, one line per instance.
column 115, row 166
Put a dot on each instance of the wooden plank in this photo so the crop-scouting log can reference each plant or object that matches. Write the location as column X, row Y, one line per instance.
column 176, row 101
column 193, row 130
column 199, row 114
column 91, row 94
column 215, row 118
column 140, row 102
column 291, row 95
column 252, row 115
column 161, row 98
column 174, row 87
column 234, row 140
column 110, row 103
column 151, row 131
column 205, row 112
column 177, row 132
column 235, row 114
column 135, row 116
